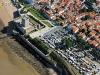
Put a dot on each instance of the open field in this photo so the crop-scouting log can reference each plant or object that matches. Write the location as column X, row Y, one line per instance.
column 36, row 14
column 10, row 64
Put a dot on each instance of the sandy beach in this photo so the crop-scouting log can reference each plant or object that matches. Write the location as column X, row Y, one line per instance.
column 10, row 64
column 7, row 12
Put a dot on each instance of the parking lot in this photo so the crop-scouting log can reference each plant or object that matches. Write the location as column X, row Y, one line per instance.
column 80, row 63
column 53, row 38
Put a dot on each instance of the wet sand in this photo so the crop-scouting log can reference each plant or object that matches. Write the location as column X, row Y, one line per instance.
column 11, row 64
column 7, row 12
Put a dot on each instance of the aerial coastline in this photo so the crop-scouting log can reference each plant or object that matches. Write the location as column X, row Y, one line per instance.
column 63, row 34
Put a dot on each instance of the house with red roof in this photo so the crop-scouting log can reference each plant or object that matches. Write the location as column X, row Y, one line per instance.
column 92, row 33
column 74, row 29
column 94, row 43
column 81, row 35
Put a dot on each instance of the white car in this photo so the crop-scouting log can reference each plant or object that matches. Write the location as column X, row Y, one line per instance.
column 77, row 67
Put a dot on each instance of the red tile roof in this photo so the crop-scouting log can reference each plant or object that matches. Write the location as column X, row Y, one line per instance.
column 92, row 33
column 75, row 29
column 82, row 34
column 97, row 39
column 94, row 43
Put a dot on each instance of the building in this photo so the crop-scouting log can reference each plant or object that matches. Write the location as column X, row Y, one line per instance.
column 74, row 29
column 24, row 25
column 94, row 43
column 28, row 1
column 48, row 14
column 92, row 33
column 82, row 35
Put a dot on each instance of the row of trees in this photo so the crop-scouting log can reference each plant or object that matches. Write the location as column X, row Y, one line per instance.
column 62, row 63
column 86, row 17
column 90, row 9
column 82, row 44
column 92, row 1
column 40, row 45
column 95, row 51
column 67, row 42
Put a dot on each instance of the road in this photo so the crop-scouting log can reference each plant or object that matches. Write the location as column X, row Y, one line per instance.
column 42, row 31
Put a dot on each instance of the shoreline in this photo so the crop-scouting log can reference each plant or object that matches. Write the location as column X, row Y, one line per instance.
column 22, row 53
column 26, row 56
column 13, row 62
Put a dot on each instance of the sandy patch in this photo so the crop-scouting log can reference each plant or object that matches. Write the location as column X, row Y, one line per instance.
column 7, row 12
column 10, row 64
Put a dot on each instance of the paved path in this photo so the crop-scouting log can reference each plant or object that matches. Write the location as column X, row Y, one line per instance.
column 41, row 32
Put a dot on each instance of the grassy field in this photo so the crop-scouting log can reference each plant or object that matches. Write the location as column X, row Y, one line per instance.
column 47, row 23
column 26, row 5
column 33, row 21
column 36, row 14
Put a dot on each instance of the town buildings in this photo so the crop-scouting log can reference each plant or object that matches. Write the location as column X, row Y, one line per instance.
column 85, row 23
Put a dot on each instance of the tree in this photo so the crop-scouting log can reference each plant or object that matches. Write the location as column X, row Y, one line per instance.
column 87, row 46
column 93, row 38
column 84, row 31
column 92, row 1
column 87, row 17
column 90, row 9
column 40, row 45
column 63, row 41
column 69, row 43
column 84, row 9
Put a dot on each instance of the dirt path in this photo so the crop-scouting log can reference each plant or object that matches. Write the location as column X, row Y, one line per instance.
column 10, row 64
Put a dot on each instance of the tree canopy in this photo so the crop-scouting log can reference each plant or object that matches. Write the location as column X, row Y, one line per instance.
column 40, row 45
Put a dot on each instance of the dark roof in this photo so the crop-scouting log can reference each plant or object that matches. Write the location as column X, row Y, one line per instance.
column 88, row 3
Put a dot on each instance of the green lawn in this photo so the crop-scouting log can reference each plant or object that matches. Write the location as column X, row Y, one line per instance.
column 36, row 14
column 52, row 60
column 33, row 21
column 26, row 5
column 47, row 23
